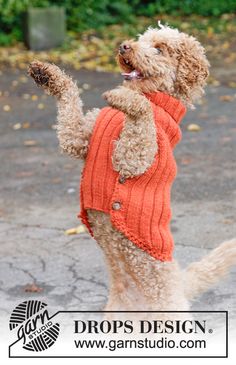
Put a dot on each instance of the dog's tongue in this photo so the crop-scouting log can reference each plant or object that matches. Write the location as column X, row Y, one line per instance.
column 132, row 75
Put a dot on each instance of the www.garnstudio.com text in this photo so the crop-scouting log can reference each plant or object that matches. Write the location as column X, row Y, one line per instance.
column 146, row 343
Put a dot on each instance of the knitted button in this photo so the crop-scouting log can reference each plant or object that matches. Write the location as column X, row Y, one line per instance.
column 116, row 206
column 122, row 179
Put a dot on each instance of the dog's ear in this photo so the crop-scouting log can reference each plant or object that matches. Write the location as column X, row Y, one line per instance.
column 192, row 69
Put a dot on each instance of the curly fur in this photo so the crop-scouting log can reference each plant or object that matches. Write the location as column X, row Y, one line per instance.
column 180, row 69
column 74, row 129
column 199, row 276
column 174, row 63
column 136, row 148
column 137, row 279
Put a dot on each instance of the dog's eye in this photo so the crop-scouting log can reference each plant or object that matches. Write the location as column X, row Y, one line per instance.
column 158, row 50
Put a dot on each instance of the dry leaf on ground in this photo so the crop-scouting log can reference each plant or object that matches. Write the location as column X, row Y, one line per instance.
column 26, row 125
column 185, row 160
column 30, row 142
column 33, row 288
column 226, row 98
column 17, row 126
column 193, row 127
column 6, row 108
column 232, row 84
column 24, row 174
column 75, row 230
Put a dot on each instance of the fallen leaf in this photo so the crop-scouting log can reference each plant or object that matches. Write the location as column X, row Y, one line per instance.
column 75, row 230
column 24, row 174
column 86, row 86
column 193, row 127
column 26, row 96
column 14, row 83
column 56, row 180
column 185, row 161
column 26, row 125
column 6, row 108
column 210, row 32
column 225, row 45
column 34, row 97
column 213, row 81
column 33, row 288
column 68, row 166
column 17, row 126
column 185, row 25
column 232, row 84
column 30, row 142
column 203, row 116
column 23, row 79
column 226, row 98
column 41, row 106
column 228, row 221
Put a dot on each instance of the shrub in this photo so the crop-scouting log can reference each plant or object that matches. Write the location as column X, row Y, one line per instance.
column 82, row 15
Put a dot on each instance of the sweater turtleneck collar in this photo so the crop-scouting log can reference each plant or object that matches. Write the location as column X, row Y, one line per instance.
column 171, row 105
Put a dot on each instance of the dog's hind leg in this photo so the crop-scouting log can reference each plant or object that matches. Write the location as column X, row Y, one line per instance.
column 137, row 280
column 74, row 128
column 200, row 276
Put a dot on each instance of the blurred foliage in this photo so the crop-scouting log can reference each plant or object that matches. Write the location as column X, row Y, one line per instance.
column 186, row 7
column 96, row 49
column 95, row 14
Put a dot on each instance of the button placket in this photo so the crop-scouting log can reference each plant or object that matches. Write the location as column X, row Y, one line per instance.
column 121, row 179
column 116, row 205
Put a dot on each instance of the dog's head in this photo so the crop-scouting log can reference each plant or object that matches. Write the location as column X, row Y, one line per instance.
column 165, row 60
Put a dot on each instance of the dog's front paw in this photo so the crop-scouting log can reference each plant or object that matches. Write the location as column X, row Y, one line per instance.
column 48, row 76
column 39, row 72
column 115, row 98
column 128, row 101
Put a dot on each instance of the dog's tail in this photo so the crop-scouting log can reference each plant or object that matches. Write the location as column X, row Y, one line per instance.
column 201, row 275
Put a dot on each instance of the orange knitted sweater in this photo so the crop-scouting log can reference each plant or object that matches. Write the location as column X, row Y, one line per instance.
column 139, row 207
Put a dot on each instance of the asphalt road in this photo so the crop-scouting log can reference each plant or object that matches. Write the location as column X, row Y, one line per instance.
column 39, row 198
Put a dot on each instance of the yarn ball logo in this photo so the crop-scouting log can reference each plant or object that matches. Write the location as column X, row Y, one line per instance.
column 34, row 326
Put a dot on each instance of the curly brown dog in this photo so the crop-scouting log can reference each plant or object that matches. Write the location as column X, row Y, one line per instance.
column 129, row 168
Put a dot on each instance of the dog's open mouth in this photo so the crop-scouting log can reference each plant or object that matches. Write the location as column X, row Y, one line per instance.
column 133, row 74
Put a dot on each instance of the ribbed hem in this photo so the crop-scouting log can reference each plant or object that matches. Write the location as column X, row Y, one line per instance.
column 140, row 243
column 120, row 226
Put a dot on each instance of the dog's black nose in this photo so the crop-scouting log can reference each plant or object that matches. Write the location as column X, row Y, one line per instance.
column 124, row 48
